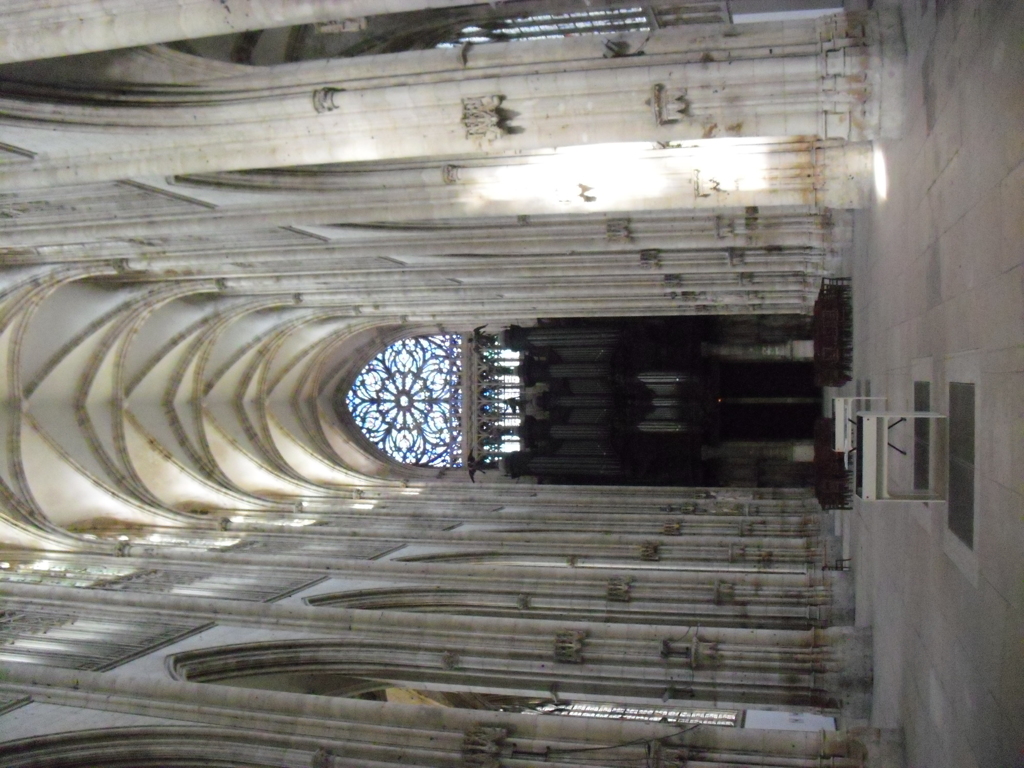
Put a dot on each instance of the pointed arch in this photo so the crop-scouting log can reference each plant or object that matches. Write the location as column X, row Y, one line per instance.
column 151, row 747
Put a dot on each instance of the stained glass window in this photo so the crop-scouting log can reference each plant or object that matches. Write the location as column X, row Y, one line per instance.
column 408, row 401
column 553, row 25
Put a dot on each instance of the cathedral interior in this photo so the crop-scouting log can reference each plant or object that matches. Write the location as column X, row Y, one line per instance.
column 563, row 383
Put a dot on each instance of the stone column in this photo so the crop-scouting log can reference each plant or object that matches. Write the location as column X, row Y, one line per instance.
column 720, row 666
column 761, row 599
column 809, row 79
column 332, row 732
column 178, row 226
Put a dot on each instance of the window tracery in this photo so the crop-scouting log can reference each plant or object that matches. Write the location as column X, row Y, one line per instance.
column 497, row 393
column 408, row 401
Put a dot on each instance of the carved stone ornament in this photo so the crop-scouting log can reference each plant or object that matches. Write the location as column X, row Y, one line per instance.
column 450, row 174
column 699, row 493
column 323, row 99
column 667, row 105
column 672, row 529
column 483, row 118
column 619, row 588
column 683, row 509
column 650, row 258
column 482, row 746
column 674, row 279
column 670, row 649
column 705, row 188
column 618, row 230
column 569, row 646
column 650, row 550
column 699, row 301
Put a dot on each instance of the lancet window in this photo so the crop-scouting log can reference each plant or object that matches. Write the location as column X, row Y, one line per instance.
column 496, row 391
column 720, row 717
column 552, row 25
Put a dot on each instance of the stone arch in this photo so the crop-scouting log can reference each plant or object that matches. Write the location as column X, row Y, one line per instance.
column 612, row 598
column 553, row 662
column 151, row 747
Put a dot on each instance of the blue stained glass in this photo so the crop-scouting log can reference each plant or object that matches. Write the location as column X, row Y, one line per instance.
column 408, row 401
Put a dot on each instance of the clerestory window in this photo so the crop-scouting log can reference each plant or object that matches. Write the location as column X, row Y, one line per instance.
column 552, row 25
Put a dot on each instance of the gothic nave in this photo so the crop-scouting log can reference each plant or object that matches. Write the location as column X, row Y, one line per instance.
column 435, row 382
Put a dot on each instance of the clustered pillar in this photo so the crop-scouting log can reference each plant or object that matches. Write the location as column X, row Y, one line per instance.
column 502, row 99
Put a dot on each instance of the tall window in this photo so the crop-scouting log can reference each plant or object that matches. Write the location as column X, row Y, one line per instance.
column 408, row 401
column 552, row 25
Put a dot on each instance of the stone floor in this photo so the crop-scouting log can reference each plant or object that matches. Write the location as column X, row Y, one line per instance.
column 939, row 297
